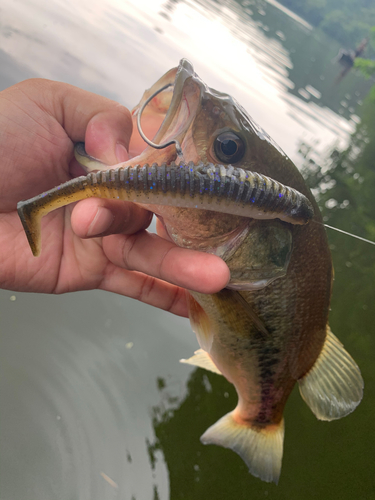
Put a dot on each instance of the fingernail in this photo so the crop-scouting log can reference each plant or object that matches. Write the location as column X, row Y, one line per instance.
column 121, row 152
column 101, row 222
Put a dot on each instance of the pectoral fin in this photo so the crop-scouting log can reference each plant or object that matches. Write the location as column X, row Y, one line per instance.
column 200, row 324
column 260, row 449
column 333, row 387
column 202, row 359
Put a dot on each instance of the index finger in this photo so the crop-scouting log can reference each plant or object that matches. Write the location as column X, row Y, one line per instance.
column 157, row 257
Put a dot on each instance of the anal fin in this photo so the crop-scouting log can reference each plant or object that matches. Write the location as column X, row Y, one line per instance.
column 333, row 387
column 202, row 359
column 260, row 448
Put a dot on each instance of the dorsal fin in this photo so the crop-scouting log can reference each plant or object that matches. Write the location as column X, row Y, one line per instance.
column 333, row 387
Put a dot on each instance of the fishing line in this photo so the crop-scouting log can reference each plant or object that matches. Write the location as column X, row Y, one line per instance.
column 180, row 153
column 345, row 232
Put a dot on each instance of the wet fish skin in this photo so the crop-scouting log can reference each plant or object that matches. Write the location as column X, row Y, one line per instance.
column 263, row 339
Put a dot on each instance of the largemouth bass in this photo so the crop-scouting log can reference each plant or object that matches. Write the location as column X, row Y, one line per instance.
column 241, row 198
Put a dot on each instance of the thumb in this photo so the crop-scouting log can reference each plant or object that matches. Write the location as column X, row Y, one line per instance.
column 103, row 124
column 108, row 135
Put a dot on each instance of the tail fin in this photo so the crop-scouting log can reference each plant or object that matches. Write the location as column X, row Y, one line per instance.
column 261, row 449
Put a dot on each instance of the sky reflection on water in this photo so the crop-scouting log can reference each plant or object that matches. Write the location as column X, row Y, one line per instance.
column 118, row 48
column 81, row 373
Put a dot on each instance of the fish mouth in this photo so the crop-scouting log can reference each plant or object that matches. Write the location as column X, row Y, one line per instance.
column 184, row 104
column 179, row 111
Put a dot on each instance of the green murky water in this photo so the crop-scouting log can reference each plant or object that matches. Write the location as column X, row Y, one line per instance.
column 91, row 387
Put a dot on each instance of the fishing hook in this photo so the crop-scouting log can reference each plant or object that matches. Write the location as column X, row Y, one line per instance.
column 150, row 143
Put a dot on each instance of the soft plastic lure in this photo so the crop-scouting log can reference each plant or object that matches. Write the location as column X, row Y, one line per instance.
column 203, row 186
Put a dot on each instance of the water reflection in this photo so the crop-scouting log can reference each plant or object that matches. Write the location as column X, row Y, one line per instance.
column 274, row 59
column 191, row 466
column 254, row 52
column 317, row 460
column 78, row 372
column 76, row 380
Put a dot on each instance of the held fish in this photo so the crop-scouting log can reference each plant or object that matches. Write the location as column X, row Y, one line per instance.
column 244, row 200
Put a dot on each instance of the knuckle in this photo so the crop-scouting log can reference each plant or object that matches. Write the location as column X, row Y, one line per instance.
column 176, row 298
column 164, row 265
column 127, row 250
column 146, row 288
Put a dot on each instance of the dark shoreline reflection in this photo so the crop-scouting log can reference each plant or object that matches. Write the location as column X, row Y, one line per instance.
column 301, row 58
column 78, row 371
column 315, row 453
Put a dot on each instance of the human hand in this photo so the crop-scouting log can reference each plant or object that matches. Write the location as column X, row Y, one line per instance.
column 99, row 243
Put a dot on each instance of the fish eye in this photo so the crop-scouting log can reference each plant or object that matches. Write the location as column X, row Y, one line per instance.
column 229, row 147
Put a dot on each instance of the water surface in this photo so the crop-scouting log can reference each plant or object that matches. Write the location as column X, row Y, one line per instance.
column 94, row 404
